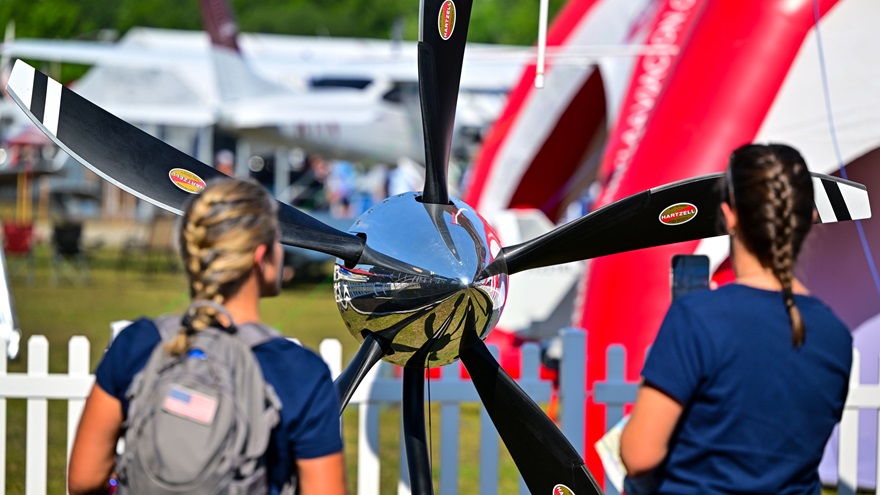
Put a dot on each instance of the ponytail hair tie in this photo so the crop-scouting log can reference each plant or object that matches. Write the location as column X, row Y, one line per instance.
column 187, row 321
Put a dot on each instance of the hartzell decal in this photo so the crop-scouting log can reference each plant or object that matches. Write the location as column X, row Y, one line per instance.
column 446, row 19
column 562, row 490
column 678, row 214
column 186, row 180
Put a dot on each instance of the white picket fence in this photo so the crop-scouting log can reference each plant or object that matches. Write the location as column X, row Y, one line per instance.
column 38, row 387
column 379, row 389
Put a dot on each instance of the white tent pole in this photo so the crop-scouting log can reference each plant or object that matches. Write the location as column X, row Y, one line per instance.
column 542, row 43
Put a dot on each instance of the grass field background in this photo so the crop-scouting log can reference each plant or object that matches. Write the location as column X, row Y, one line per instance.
column 305, row 310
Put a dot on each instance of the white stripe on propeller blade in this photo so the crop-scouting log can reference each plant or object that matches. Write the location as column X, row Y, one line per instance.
column 21, row 82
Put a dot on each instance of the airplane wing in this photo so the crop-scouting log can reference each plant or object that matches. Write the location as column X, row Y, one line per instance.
column 136, row 82
column 151, row 95
column 149, row 85
column 144, row 56
column 284, row 110
column 96, row 53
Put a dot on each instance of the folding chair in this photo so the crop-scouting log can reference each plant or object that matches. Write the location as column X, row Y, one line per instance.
column 68, row 257
column 18, row 245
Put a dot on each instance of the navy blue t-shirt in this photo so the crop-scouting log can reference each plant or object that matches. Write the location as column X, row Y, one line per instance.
column 757, row 411
column 309, row 426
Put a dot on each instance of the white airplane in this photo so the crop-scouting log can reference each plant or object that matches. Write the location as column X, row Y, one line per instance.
column 352, row 99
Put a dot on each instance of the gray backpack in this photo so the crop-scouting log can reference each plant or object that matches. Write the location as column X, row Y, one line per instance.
column 200, row 422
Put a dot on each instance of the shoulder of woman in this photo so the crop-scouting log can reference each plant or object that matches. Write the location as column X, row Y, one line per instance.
column 141, row 332
column 286, row 354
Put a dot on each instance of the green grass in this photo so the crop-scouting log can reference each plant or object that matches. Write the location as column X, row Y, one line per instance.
column 305, row 310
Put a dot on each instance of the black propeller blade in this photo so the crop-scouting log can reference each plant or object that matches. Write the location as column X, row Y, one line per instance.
column 374, row 346
column 369, row 353
column 543, row 455
column 143, row 165
column 441, row 52
column 631, row 223
column 414, row 436
column 681, row 211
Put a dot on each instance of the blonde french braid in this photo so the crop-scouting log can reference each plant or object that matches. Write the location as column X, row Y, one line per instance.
column 221, row 228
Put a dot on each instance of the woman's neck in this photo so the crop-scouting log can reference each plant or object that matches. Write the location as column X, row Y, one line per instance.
column 750, row 272
column 244, row 305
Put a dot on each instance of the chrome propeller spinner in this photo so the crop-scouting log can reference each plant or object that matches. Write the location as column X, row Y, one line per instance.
column 418, row 304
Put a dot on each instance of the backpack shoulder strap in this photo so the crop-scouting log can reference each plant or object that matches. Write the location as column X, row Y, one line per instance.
column 254, row 334
column 168, row 326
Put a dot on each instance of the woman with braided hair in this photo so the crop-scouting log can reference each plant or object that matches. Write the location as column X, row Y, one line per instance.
column 744, row 384
column 229, row 242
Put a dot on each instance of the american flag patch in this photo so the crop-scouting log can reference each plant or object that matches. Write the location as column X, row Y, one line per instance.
column 190, row 404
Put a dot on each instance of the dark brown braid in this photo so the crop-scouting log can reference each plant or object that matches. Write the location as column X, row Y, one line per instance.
column 772, row 193
column 220, row 230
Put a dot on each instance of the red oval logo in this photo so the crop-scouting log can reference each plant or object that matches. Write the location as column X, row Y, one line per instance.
column 562, row 490
column 186, row 180
column 446, row 19
column 678, row 214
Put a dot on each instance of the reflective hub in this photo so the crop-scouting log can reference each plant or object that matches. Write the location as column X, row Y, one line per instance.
column 416, row 291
